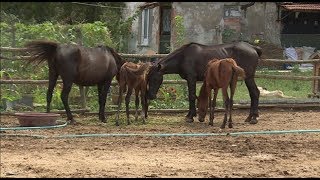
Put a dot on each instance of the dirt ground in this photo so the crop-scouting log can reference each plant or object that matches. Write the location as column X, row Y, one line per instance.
column 263, row 155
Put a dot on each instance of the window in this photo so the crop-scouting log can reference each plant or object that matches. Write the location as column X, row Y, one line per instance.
column 231, row 11
column 145, row 27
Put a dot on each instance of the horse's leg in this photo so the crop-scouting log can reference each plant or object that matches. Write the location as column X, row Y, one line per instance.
column 129, row 92
column 136, row 104
column 192, row 99
column 147, row 107
column 144, row 107
column 101, row 95
column 232, row 91
column 53, row 76
column 226, row 106
column 254, row 96
column 214, row 102
column 64, row 97
column 119, row 104
column 210, row 105
column 103, row 91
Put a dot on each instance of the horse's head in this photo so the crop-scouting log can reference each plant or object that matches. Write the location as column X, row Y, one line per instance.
column 202, row 109
column 154, row 78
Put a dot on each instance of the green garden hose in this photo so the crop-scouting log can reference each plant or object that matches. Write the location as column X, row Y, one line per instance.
column 167, row 134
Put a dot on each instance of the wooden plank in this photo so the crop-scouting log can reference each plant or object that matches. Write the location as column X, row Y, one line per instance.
column 291, row 61
column 167, row 81
column 308, row 78
column 235, row 106
column 10, row 49
column 57, row 112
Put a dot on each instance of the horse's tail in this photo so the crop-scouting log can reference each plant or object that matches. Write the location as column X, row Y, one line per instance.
column 258, row 49
column 41, row 50
column 239, row 71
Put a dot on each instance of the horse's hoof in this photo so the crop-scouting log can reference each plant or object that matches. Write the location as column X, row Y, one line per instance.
column 253, row 121
column 104, row 121
column 72, row 122
column 230, row 126
column 189, row 120
column 248, row 119
column 201, row 120
column 117, row 124
column 210, row 124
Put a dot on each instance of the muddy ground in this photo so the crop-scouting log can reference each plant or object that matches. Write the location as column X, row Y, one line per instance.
column 262, row 155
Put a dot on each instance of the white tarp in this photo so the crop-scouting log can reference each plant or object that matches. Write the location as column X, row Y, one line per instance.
column 307, row 52
column 291, row 53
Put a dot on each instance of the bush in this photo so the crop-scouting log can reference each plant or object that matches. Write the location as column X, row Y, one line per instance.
column 92, row 33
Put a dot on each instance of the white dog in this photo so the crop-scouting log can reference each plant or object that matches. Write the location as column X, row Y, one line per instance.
column 277, row 93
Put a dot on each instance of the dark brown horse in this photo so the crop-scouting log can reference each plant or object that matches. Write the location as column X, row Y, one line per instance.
column 77, row 64
column 219, row 74
column 190, row 61
column 133, row 76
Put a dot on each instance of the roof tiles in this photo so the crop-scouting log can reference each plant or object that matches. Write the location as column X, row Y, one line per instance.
column 310, row 7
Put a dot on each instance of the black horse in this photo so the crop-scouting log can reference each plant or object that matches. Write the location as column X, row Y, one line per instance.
column 190, row 61
column 77, row 64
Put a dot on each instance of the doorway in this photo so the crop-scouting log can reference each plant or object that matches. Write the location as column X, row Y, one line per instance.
column 165, row 28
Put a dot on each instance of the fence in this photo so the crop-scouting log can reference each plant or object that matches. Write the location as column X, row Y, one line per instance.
column 315, row 78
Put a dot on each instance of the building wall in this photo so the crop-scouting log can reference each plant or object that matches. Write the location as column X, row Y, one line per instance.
column 204, row 23
column 200, row 20
column 261, row 19
column 134, row 46
column 133, row 41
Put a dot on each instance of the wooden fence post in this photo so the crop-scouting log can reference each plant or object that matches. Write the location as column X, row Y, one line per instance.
column 316, row 84
column 13, row 38
column 81, row 88
column 316, row 72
